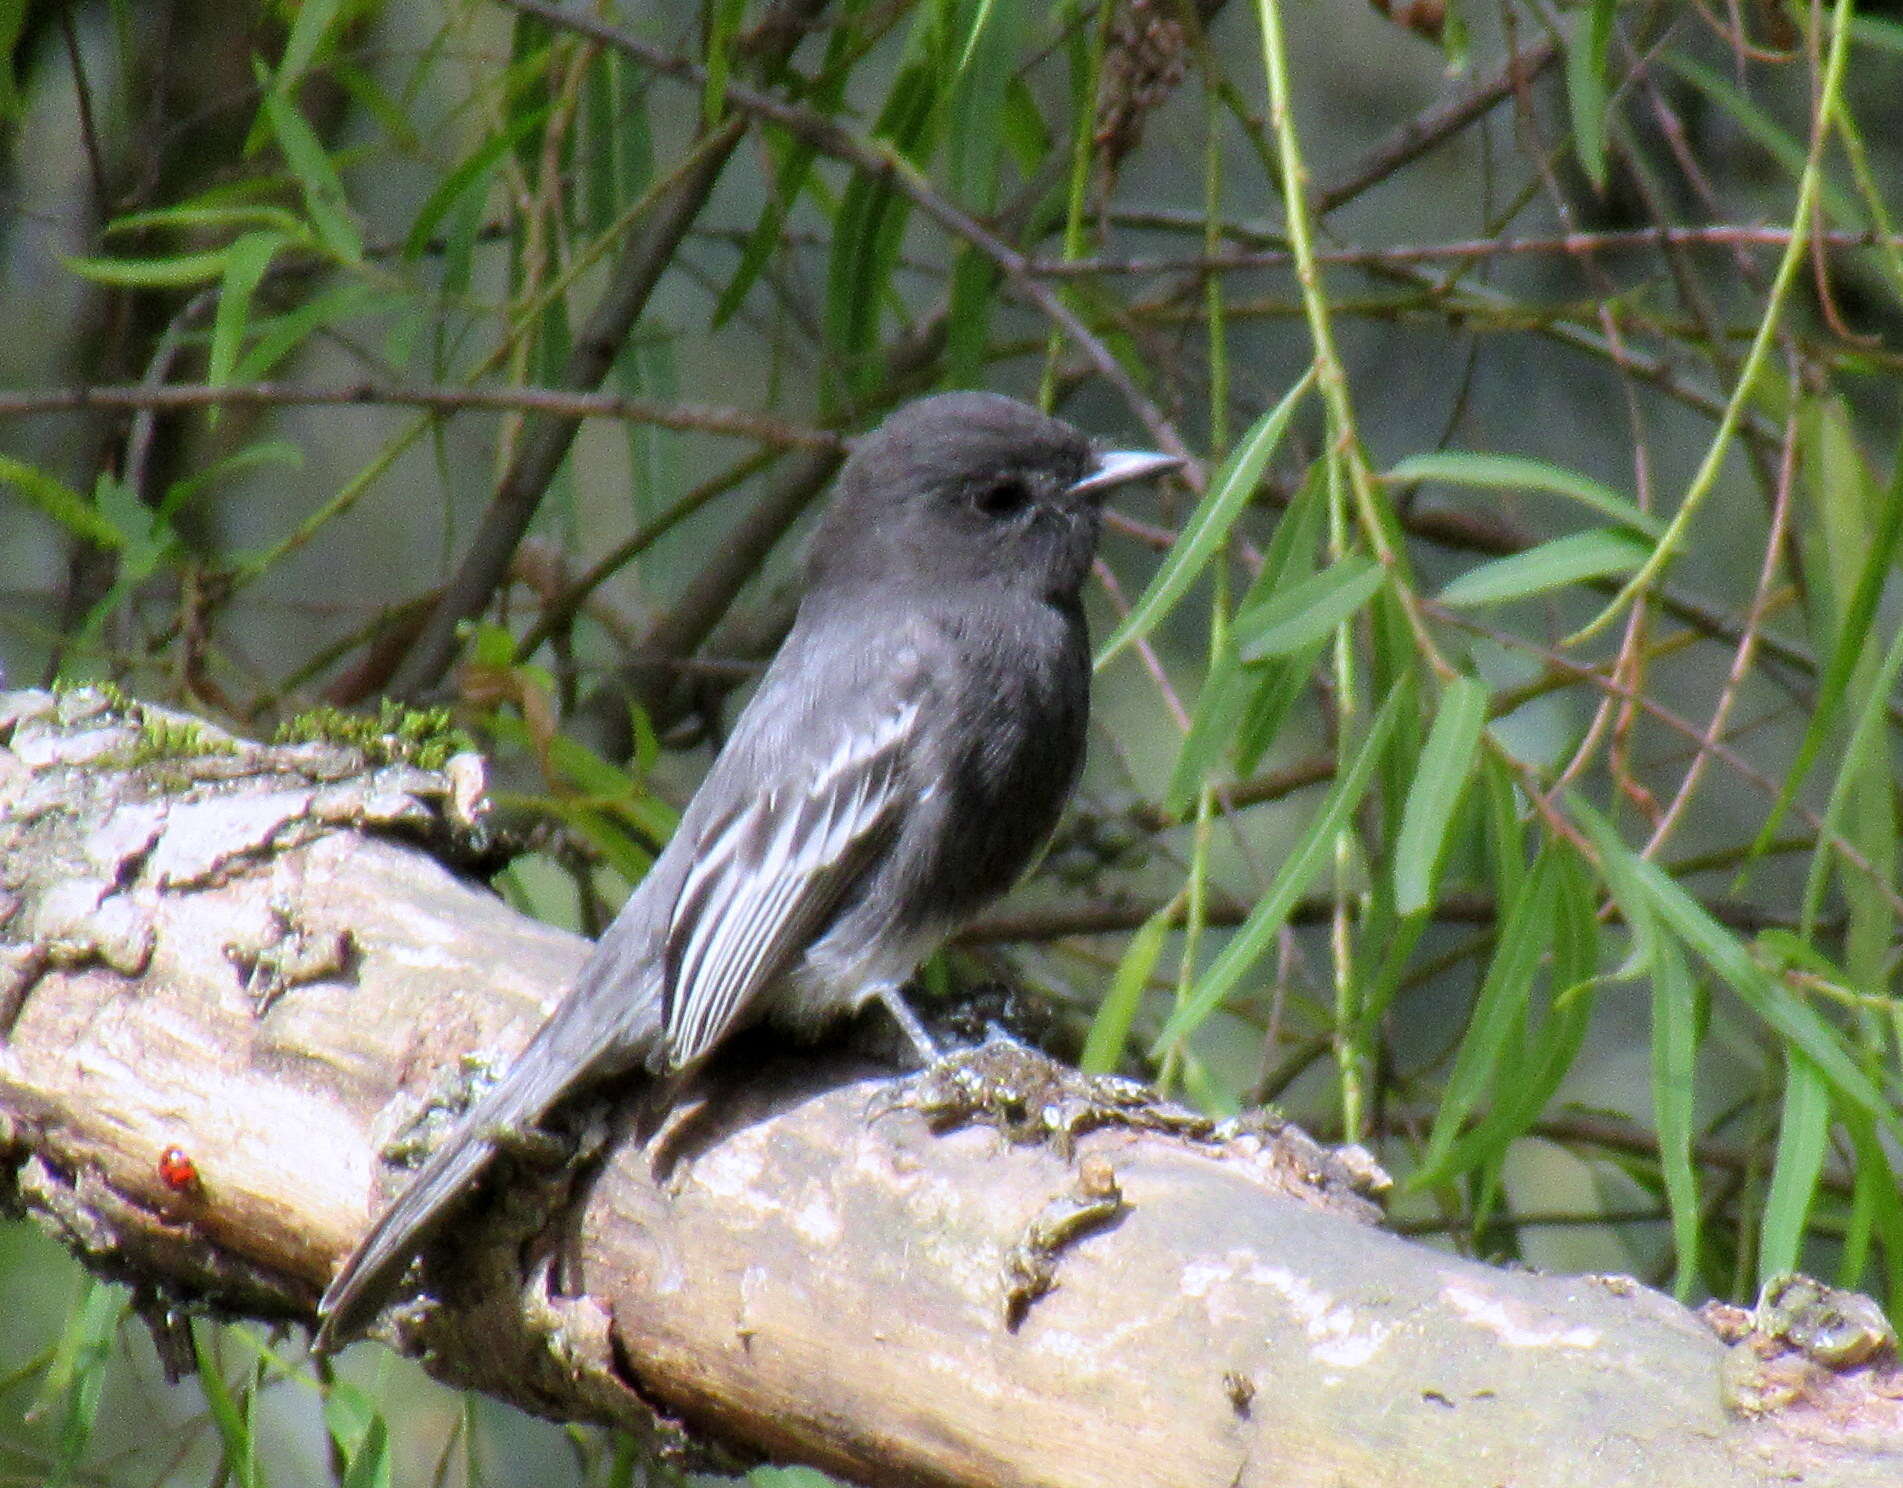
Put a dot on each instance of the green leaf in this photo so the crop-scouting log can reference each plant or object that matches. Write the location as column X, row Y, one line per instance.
column 370, row 1465
column 1110, row 1029
column 202, row 215
column 869, row 228
column 1803, row 1138
column 234, row 1429
column 1290, row 555
column 349, row 1411
column 174, row 271
column 310, row 163
column 1490, row 1050
column 1209, row 524
column 266, row 452
column 1586, row 88
column 60, row 502
column 246, row 263
column 981, row 17
column 469, row 175
column 1309, row 855
column 1863, row 777
column 277, row 336
column 1640, row 886
column 1283, row 685
column 794, row 173
column 1026, row 135
column 1304, row 612
column 1675, row 1031
column 75, row 1380
column 1789, row 151
column 368, row 92
column 1518, row 473
column 1440, row 780
column 1218, row 705
column 1876, row 1206
column 723, row 24
column 1852, row 637
column 309, row 28
column 1551, row 565
column 12, row 20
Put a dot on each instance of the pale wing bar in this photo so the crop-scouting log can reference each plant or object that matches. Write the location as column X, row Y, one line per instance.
column 768, row 877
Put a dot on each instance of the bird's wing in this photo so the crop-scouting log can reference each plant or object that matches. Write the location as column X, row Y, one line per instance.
column 770, row 870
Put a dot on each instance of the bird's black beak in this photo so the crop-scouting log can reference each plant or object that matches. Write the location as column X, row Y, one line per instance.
column 1119, row 468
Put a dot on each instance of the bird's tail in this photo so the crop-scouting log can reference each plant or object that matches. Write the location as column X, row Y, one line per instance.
column 576, row 1044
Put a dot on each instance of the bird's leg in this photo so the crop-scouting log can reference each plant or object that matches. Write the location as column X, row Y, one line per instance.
column 927, row 1047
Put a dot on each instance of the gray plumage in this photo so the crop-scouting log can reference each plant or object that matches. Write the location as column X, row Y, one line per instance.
column 904, row 757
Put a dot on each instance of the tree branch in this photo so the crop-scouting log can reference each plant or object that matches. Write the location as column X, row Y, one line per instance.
column 256, row 956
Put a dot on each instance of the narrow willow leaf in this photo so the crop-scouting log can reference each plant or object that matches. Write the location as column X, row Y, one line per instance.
column 311, row 24
column 277, row 336
column 470, row 175
column 1876, row 1208
column 370, row 1465
column 1305, row 612
column 12, row 20
column 1209, row 524
column 1218, row 706
column 1803, row 1136
column 349, row 1411
column 870, row 225
column 1439, row 783
column 1110, row 1029
column 1551, row 565
column 1674, row 1059
column 176, row 271
column 1518, row 473
column 1505, row 837
column 1283, row 685
column 202, row 215
column 723, row 24
column 1640, row 885
column 60, row 502
column 794, row 170
column 1852, row 637
column 1587, row 89
column 310, row 163
column 1865, row 766
column 368, row 92
column 234, row 1430
column 1026, row 134
column 1491, row 1048
column 1790, row 152
column 180, row 493
column 1309, row 855
column 1440, row 779
column 74, row 1381
column 246, row 262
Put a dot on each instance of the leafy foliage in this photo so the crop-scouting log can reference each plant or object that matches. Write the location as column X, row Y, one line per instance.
column 1498, row 756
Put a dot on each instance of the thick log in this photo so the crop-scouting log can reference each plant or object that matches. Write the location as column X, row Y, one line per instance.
column 265, row 962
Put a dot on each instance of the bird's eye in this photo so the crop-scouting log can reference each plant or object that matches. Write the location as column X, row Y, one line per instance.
column 1005, row 497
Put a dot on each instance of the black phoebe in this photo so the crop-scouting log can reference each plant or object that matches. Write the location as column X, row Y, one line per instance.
column 906, row 754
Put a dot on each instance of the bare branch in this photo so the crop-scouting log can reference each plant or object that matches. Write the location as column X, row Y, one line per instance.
column 241, row 953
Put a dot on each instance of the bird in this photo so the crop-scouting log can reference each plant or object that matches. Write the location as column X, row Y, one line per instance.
column 904, row 758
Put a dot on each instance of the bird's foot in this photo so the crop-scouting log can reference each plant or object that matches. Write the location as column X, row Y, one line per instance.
column 922, row 1042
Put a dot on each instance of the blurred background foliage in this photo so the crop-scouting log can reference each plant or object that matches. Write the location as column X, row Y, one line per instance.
column 1495, row 757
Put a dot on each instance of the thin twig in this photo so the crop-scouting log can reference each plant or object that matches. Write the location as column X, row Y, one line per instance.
column 560, row 403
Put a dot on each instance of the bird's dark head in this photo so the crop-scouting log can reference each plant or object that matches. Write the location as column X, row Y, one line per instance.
column 970, row 487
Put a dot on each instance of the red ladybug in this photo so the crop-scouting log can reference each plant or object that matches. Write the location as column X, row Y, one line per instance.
column 177, row 1171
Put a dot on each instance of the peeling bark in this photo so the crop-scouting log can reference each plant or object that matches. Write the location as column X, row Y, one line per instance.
column 233, row 979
